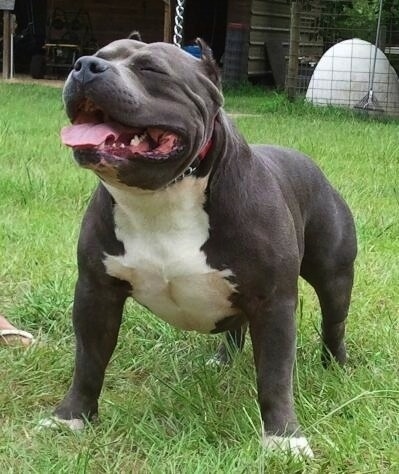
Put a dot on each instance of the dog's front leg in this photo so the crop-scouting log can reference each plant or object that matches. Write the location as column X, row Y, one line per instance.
column 97, row 316
column 272, row 329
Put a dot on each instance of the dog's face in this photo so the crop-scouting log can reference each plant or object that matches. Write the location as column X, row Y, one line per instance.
column 140, row 112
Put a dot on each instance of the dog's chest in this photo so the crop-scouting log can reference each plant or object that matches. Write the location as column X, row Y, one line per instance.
column 162, row 234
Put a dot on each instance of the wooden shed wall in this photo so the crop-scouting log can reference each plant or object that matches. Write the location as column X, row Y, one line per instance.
column 239, row 11
column 264, row 20
column 270, row 21
column 115, row 20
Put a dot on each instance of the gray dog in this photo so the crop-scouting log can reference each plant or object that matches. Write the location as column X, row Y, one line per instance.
column 209, row 233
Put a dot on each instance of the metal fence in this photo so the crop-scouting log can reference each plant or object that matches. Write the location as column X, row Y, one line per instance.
column 333, row 59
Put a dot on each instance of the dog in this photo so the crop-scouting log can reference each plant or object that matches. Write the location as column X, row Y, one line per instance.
column 135, row 35
column 209, row 233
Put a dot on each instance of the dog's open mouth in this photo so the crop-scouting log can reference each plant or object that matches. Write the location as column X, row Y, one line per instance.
column 93, row 130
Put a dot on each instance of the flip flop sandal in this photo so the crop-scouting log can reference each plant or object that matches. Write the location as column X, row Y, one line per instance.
column 14, row 336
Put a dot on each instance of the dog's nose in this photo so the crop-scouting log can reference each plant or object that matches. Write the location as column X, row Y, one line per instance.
column 88, row 68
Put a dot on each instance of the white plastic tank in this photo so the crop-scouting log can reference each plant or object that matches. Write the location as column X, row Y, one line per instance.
column 342, row 77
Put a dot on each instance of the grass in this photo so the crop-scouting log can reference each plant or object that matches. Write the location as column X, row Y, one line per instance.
column 162, row 409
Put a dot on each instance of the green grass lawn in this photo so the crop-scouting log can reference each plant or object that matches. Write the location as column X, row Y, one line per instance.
column 162, row 409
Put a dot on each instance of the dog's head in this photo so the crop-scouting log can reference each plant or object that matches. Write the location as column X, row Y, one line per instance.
column 141, row 113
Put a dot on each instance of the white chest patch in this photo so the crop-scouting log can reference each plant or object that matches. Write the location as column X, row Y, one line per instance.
column 162, row 233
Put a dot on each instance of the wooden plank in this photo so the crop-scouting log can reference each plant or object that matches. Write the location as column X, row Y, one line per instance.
column 6, row 44
column 239, row 11
column 267, row 7
column 167, row 22
column 276, row 55
column 292, row 73
column 269, row 21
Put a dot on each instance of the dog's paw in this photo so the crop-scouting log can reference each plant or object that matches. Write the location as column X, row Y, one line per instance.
column 217, row 361
column 221, row 358
column 296, row 446
column 76, row 424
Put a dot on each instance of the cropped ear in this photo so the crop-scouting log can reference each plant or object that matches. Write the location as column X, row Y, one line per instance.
column 135, row 35
column 211, row 68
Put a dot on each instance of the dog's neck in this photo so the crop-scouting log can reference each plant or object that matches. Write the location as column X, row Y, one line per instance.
column 224, row 141
column 163, row 205
column 192, row 169
column 228, row 147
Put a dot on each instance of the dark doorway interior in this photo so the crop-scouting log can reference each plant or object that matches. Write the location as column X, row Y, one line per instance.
column 30, row 34
column 206, row 19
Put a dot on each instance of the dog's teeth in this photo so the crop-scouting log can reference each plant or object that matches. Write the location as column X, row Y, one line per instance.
column 136, row 140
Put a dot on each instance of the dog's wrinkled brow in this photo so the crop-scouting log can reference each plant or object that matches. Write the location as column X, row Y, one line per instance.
column 121, row 49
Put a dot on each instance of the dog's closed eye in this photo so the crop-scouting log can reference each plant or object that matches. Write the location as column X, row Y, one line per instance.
column 154, row 69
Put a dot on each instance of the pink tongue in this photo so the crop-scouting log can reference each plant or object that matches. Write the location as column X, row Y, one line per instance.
column 91, row 134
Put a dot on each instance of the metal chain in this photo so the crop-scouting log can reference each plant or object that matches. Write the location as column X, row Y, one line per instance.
column 179, row 19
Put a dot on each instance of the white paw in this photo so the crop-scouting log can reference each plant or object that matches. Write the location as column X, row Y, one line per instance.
column 215, row 361
column 297, row 446
column 75, row 424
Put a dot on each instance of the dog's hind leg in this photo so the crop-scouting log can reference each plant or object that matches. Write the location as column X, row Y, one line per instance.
column 334, row 293
column 329, row 253
column 234, row 341
column 328, row 267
